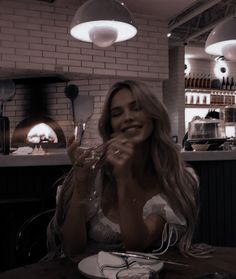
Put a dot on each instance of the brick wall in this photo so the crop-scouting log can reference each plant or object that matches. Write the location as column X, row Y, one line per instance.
column 60, row 106
column 35, row 36
column 35, row 40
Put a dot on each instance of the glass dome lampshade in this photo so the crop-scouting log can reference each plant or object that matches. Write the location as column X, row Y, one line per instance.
column 103, row 22
column 222, row 40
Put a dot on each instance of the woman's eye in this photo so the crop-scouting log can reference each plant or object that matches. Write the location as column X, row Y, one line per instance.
column 115, row 113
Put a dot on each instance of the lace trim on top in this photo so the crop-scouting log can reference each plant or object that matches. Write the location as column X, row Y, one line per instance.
column 104, row 230
column 159, row 204
column 174, row 225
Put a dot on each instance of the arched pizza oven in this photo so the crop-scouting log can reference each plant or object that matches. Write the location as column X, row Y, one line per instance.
column 40, row 130
column 37, row 128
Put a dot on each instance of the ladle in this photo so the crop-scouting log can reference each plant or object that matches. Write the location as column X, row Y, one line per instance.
column 71, row 92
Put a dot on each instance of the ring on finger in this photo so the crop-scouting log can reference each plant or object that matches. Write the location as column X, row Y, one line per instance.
column 116, row 152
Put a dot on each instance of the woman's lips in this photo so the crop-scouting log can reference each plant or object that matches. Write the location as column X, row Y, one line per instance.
column 131, row 131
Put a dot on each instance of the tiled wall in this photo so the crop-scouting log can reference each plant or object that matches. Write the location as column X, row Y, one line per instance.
column 35, row 40
column 35, row 35
column 60, row 106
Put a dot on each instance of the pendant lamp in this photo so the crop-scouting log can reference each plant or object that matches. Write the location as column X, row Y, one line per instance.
column 103, row 22
column 222, row 40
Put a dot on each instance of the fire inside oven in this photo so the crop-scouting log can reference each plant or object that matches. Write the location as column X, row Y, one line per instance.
column 41, row 133
column 38, row 131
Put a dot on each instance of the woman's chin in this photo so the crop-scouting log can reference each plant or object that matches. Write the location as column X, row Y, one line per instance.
column 135, row 139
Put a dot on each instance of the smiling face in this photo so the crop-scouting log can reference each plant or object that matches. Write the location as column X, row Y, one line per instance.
column 128, row 117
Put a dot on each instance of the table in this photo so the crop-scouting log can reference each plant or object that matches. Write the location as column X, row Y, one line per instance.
column 223, row 260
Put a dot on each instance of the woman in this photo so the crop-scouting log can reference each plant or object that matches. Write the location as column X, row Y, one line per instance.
column 134, row 191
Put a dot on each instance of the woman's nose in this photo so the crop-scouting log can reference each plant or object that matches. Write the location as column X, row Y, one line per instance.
column 128, row 115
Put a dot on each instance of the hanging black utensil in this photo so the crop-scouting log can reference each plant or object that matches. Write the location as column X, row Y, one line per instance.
column 71, row 92
column 7, row 92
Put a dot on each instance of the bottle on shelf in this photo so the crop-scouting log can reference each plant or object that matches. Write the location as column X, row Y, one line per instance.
column 213, row 99
column 186, row 99
column 232, row 99
column 204, row 82
column 227, row 84
column 218, row 100
column 227, row 99
column 223, row 84
column 189, row 81
column 193, row 82
column 208, row 83
column 232, row 86
column 201, row 81
column 221, row 98
column 197, row 81
column 185, row 81
column 192, row 100
column 198, row 99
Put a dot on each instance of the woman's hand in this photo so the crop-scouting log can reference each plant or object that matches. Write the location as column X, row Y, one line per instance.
column 85, row 160
column 119, row 154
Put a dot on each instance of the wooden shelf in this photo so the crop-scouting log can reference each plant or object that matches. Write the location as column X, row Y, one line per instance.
column 208, row 90
column 216, row 98
column 204, row 106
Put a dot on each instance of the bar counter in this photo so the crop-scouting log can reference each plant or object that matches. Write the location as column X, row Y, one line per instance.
column 28, row 185
column 58, row 157
column 54, row 157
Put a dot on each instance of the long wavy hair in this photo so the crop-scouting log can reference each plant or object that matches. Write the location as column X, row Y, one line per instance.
column 178, row 184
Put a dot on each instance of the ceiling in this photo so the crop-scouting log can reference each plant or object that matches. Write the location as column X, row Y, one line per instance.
column 163, row 9
column 189, row 21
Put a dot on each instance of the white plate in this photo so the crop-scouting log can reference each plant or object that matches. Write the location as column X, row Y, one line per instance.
column 89, row 267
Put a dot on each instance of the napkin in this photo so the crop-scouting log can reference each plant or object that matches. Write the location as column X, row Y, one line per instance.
column 114, row 267
column 24, row 150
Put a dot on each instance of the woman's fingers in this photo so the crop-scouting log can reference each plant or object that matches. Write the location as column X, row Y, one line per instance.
column 119, row 143
column 119, row 151
column 85, row 157
column 90, row 158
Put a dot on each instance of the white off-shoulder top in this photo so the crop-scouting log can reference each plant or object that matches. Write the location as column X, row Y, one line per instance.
column 103, row 230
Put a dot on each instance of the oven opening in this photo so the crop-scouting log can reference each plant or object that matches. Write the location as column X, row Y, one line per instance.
column 41, row 133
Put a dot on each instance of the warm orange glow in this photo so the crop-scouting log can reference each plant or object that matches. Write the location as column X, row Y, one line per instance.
column 42, row 133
